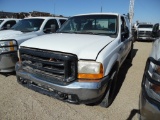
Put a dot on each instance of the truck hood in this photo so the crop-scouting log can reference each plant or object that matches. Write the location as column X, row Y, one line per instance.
column 13, row 34
column 144, row 29
column 84, row 46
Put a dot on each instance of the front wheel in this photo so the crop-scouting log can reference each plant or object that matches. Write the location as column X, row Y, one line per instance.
column 110, row 91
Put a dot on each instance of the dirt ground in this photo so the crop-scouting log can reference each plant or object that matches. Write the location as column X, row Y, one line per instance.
column 19, row 103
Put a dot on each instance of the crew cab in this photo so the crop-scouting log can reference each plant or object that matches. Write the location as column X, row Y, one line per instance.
column 150, row 91
column 20, row 32
column 80, row 62
column 7, row 23
column 144, row 31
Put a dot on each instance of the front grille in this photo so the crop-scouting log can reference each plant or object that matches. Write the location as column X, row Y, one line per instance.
column 144, row 33
column 56, row 66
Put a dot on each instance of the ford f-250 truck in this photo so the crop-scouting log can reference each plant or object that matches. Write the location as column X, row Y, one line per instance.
column 80, row 62
column 20, row 32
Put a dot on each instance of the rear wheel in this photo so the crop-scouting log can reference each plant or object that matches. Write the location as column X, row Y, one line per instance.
column 110, row 91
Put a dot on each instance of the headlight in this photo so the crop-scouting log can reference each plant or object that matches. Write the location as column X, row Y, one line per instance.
column 19, row 56
column 90, row 70
column 152, row 83
column 7, row 46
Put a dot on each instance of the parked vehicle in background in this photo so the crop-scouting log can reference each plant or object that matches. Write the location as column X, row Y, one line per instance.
column 7, row 23
column 144, row 31
column 79, row 63
column 20, row 32
column 150, row 92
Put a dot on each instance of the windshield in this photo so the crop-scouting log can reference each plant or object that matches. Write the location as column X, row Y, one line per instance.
column 91, row 24
column 145, row 26
column 1, row 21
column 28, row 25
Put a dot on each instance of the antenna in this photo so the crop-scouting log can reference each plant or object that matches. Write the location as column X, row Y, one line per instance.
column 54, row 9
column 131, row 10
column 101, row 6
column 101, row 9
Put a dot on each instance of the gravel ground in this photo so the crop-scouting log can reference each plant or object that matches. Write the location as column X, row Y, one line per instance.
column 19, row 103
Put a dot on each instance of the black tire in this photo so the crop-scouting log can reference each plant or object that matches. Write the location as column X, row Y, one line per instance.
column 110, row 91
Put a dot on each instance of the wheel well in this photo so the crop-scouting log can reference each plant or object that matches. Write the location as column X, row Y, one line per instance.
column 114, row 67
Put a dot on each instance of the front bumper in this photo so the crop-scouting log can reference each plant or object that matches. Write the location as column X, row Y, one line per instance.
column 8, row 61
column 148, row 109
column 145, row 38
column 74, row 92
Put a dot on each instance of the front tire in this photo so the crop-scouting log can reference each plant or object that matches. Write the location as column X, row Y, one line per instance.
column 110, row 94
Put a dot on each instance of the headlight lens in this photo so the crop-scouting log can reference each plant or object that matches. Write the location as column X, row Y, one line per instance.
column 156, row 73
column 19, row 57
column 153, row 88
column 90, row 70
column 7, row 46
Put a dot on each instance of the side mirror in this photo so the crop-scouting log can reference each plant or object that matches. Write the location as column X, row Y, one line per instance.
column 125, row 33
column 8, row 26
column 155, row 31
column 52, row 29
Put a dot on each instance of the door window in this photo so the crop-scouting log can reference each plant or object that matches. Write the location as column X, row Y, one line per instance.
column 49, row 25
column 8, row 24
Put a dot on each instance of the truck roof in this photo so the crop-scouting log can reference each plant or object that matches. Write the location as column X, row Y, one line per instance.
column 98, row 14
column 9, row 19
column 46, row 17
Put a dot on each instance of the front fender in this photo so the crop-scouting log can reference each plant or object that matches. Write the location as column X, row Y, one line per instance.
column 109, row 65
column 25, row 37
column 109, row 61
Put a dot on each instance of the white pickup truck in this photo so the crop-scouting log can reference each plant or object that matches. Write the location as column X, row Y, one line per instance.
column 149, row 100
column 7, row 23
column 80, row 62
column 20, row 32
column 144, row 31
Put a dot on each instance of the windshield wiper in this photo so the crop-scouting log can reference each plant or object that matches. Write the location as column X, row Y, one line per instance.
column 26, row 30
column 78, row 32
column 62, row 32
column 81, row 32
column 67, row 32
column 91, row 33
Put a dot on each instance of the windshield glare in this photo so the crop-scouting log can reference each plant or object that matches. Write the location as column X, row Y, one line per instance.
column 91, row 24
column 28, row 25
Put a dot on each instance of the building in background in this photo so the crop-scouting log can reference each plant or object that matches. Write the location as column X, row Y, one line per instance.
column 22, row 15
